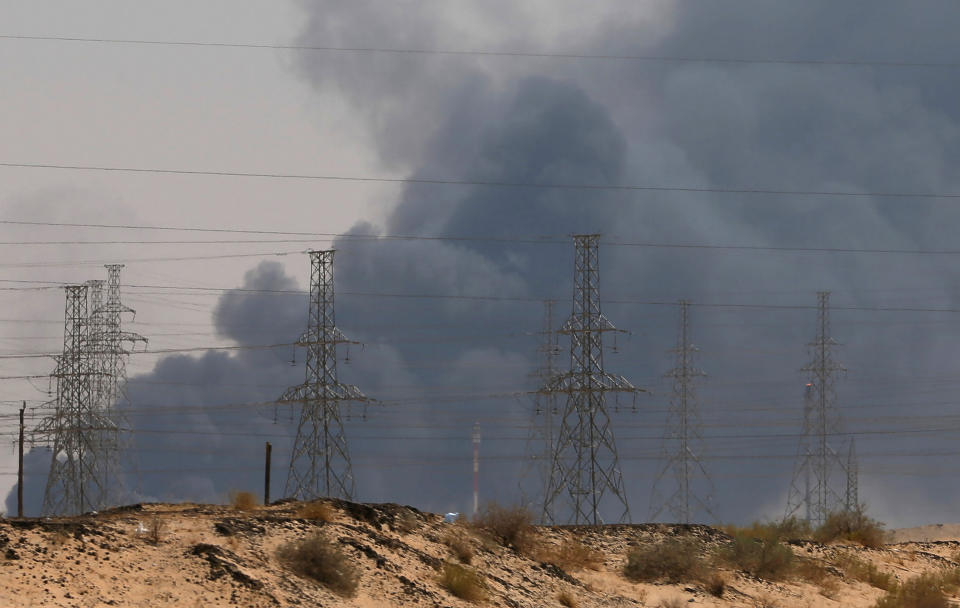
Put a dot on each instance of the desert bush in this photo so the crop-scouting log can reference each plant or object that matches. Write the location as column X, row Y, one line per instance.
column 243, row 501
column 673, row 560
column 924, row 591
column 716, row 584
column 790, row 528
column 459, row 545
column 463, row 582
column 317, row 558
column 571, row 555
column 316, row 510
column 567, row 599
column 155, row 529
column 867, row 572
column 510, row 526
column 765, row 558
column 854, row 526
column 765, row 600
column 405, row 522
column 673, row 602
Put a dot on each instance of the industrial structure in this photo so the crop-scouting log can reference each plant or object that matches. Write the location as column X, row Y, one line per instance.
column 585, row 471
column 320, row 460
column 675, row 488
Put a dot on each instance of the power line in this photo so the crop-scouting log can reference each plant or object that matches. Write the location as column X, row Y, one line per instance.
column 489, row 53
column 489, row 183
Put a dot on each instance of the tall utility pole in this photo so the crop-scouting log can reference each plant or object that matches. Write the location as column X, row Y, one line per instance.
column 476, row 469
column 20, row 465
column 320, row 462
column 811, row 487
column 683, row 440
column 585, row 468
column 114, row 340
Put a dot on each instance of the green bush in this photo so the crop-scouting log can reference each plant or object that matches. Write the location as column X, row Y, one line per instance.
column 924, row 591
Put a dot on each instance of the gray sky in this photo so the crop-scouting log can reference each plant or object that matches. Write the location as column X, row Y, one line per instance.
column 793, row 124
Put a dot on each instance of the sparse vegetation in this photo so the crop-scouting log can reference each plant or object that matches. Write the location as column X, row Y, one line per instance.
column 511, row 526
column 765, row 600
column 243, row 501
column 405, row 522
column 463, row 582
column 673, row 602
column 716, row 584
column 867, row 572
column 790, row 528
column 854, row 526
column 567, row 599
column 459, row 545
column 921, row 592
column 673, row 560
column 571, row 555
column 316, row 510
column 765, row 558
column 317, row 558
column 156, row 529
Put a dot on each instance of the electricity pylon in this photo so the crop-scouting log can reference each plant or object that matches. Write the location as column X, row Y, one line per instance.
column 683, row 442
column 584, row 467
column 320, row 461
column 539, row 447
column 78, row 430
column 811, row 487
column 114, row 340
column 852, row 502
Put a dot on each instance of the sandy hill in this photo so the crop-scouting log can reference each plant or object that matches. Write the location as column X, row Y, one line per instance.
column 207, row 555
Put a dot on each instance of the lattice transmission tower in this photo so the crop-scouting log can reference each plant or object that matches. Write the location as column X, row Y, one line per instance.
column 539, row 447
column 852, row 502
column 812, row 488
column 320, row 461
column 675, row 488
column 584, row 468
column 86, row 430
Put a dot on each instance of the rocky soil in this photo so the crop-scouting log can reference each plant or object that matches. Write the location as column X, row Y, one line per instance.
column 207, row 555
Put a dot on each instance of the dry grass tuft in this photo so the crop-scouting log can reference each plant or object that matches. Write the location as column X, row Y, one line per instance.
column 317, row 558
column 243, row 501
column 511, row 527
column 156, row 529
column 463, row 582
column 716, row 584
column 567, row 599
column 765, row 600
column 572, row 555
column 459, row 543
column 316, row 510
column 672, row 561
column 867, row 572
column 406, row 522
column 673, row 602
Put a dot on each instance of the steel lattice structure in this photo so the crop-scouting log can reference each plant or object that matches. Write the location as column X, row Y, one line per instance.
column 852, row 502
column 682, row 443
column 584, row 466
column 114, row 340
column 320, row 461
column 78, row 431
column 811, row 488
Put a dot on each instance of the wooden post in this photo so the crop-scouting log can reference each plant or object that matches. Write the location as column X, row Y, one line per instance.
column 20, row 467
column 266, row 477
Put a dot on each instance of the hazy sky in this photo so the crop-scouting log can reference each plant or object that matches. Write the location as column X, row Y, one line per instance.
column 790, row 101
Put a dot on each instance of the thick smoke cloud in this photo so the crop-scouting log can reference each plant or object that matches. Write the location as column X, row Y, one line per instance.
column 433, row 363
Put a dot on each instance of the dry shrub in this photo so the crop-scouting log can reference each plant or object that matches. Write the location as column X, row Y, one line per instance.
column 405, row 522
column 567, row 599
column 59, row 537
column 766, row 558
column 854, row 526
column 924, row 591
column 867, row 572
column 765, row 600
column 156, row 529
column 243, row 501
column 459, row 544
column 316, row 510
column 810, row 571
column 317, row 558
column 511, row 527
column 716, row 584
column 790, row 528
column 463, row 582
column 672, row 560
column 572, row 555
column 673, row 602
